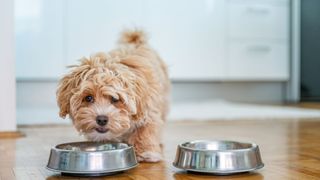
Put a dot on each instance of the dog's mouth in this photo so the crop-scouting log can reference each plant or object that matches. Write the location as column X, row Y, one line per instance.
column 101, row 129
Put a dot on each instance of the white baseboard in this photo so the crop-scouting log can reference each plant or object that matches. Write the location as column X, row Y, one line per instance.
column 196, row 111
column 40, row 115
column 36, row 100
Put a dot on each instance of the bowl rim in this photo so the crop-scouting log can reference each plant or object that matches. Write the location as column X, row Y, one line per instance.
column 219, row 171
column 93, row 172
column 112, row 150
column 182, row 146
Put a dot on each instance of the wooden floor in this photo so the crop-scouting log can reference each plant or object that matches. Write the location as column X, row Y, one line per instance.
column 290, row 150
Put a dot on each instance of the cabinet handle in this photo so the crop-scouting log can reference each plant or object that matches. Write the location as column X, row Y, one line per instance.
column 259, row 48
column 258, row 10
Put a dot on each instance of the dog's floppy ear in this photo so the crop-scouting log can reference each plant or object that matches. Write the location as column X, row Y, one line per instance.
column 129, row 102
column 139, row 94
column 68, row 85
column 64, row 93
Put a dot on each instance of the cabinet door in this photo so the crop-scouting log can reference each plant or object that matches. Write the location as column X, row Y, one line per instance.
column 258, row 61
column 258, row 20
column 189, row 35
column 94, row 26
column 39, row 38
column 258, row 40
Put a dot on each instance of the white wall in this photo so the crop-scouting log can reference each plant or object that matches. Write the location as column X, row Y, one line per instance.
column 7, row 73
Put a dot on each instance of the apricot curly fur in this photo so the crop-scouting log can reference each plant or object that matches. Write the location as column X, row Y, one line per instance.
column 135, row 75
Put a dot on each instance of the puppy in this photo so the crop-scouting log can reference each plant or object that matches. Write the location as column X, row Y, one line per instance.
column 119, row 96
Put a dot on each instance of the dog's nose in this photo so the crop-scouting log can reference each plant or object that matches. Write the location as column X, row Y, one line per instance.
column 102, row 120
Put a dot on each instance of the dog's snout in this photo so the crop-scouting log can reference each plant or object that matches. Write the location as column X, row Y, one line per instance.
column 102, row 120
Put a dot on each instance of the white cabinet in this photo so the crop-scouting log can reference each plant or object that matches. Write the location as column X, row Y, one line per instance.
column 94, row 26
column 258, row 40
column 39, row 39
column 258, row 20
column 199, row 39
column 258, row 61
column 189, row 36
column 191, row 44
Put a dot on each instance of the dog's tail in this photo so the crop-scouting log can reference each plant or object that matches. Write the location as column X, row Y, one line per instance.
column 135, row 37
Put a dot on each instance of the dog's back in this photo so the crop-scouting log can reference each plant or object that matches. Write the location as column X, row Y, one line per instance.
column 146, row 63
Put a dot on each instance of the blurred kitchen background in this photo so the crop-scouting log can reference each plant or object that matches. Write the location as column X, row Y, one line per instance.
column 224, row 56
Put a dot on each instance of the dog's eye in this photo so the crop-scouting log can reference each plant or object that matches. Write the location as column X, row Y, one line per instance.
column 89, row 99
column 114, row 100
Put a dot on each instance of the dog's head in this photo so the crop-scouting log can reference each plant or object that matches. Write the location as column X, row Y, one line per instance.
column 103, row 98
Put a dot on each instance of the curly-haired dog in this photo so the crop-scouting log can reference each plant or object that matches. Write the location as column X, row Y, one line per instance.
column 119, row 96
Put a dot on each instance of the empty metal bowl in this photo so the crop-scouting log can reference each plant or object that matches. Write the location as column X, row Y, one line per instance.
column 91, row 158
column 218, row 157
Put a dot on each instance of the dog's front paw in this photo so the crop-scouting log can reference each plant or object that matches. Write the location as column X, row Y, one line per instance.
column 149, row 156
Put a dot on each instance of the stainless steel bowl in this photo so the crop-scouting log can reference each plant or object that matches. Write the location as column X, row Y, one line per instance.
column 218, row 157
column 91, row 158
